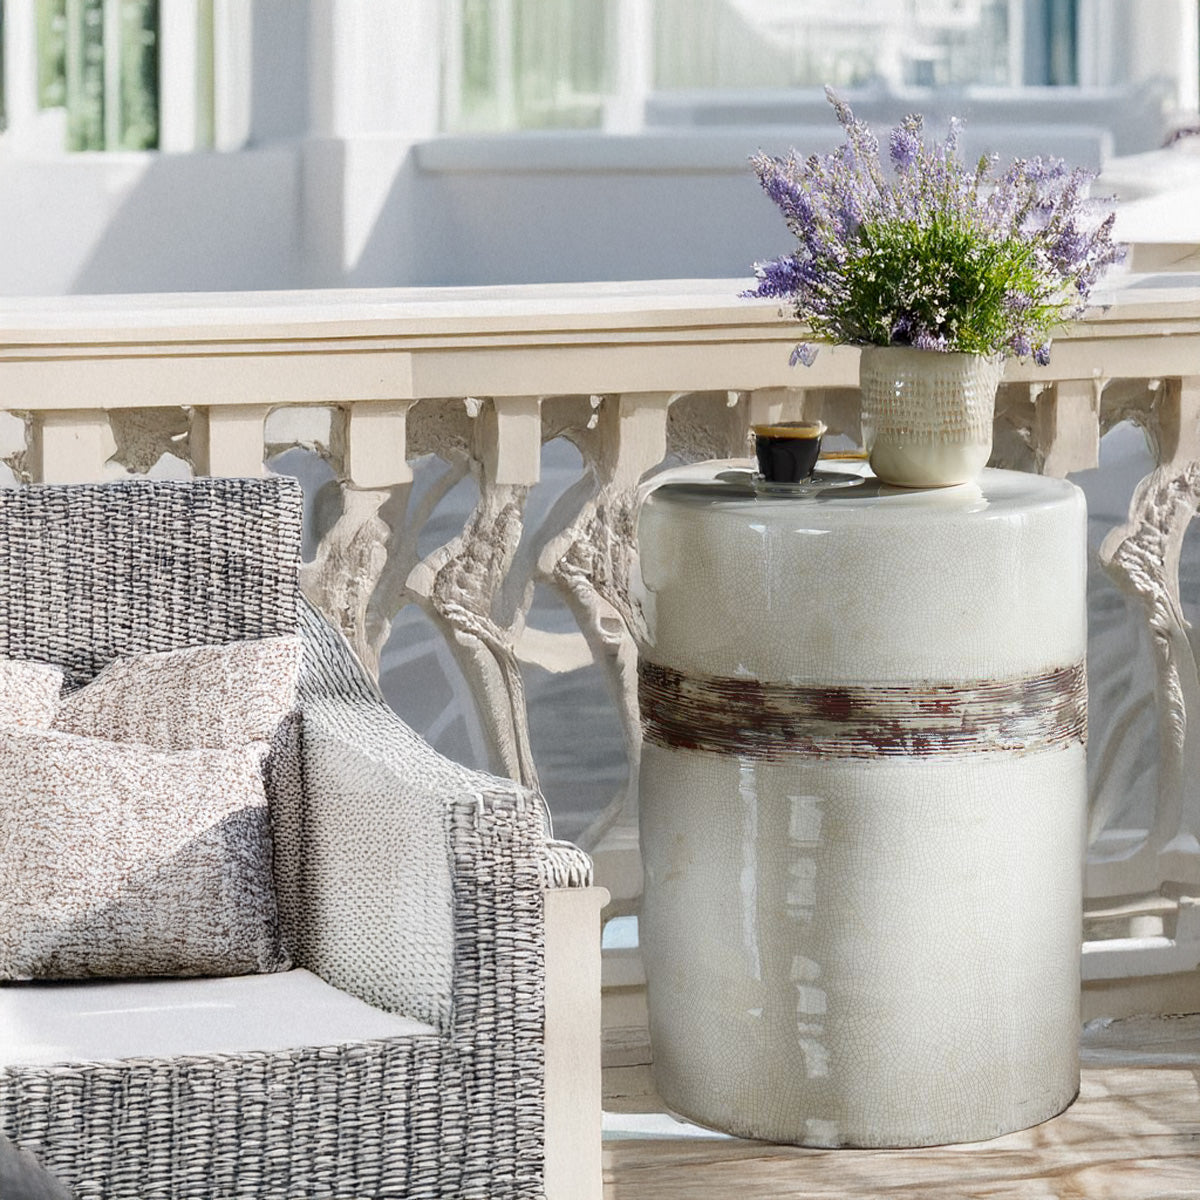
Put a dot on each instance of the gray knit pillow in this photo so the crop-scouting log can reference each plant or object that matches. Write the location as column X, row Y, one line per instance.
column 28, row 693
column 135, row 837
column 119, row 860
column 217, row 696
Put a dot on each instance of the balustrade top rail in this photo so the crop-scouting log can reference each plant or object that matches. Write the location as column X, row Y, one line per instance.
column 410, row 343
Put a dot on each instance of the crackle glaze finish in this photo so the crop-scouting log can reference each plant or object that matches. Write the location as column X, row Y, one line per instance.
column 861, row 919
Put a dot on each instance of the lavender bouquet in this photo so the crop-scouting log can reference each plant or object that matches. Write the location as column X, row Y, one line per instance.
column 932, row 255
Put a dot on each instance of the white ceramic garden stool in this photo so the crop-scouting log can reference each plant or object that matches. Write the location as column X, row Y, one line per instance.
column 863, row 794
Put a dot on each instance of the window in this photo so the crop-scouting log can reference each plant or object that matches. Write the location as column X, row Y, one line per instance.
column 757, row 43
column 98, row 60
column 524, row 64
column 527, row 64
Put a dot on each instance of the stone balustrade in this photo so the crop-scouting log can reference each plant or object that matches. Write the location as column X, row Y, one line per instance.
column 634, row 375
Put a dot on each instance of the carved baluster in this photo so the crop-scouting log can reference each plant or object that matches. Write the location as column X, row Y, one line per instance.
column 1142, row 556
column 368, row 449
column 837, row 407
column 372, row 518
column 342, row 578
column 375, row 444
column 704, row 425
column 69, row 446
column 765, row 406
column 461, row 581
column 229, row 440
column 144, row 435
column 1014, row 433
column 1067, row 427
column 509, row 440
column 591, row 560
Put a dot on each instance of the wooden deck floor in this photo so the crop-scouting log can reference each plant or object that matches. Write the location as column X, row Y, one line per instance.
column 1133, row 1134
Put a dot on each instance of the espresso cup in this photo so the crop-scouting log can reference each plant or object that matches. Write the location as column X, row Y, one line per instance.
column 787, row 451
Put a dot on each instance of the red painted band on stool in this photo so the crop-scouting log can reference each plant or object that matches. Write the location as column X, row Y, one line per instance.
column 774, row 720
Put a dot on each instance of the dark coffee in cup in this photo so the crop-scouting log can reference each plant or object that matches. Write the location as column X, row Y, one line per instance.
column 787, row 452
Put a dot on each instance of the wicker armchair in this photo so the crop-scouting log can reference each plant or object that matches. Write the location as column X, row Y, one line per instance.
column 403, row 880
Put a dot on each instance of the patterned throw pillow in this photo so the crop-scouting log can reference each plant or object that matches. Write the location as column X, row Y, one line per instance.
column 120, row 860
column 216, row 696
column 28, row 693
column 134, row 836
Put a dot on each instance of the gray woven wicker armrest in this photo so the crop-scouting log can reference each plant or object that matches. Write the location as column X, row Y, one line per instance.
column 384, row 825
column 409, row 862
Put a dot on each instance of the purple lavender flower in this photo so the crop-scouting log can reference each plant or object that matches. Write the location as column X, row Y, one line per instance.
column 927, row 340
column 953, row 131
column 858, row 133
column 1070, row 248
column 841, row 109
column 889, row 258
column 777, row 279
column 906, row 143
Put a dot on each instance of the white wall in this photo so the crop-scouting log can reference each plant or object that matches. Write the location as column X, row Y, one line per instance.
column 150, row 222
column 658, row 205
column 384, row 211
column 380, row 210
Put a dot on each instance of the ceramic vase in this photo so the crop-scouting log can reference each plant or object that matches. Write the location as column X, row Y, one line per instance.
column 927, row 416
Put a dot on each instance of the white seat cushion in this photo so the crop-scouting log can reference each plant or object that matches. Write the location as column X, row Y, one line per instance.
column 44, row 1023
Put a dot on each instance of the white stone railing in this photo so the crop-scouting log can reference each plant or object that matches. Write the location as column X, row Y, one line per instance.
column 631, row 374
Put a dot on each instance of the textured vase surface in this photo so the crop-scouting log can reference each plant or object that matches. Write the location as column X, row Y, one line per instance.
column 862, row 806
column 927, row 416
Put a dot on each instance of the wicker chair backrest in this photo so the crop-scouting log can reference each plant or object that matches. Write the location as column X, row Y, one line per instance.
column 91, row 572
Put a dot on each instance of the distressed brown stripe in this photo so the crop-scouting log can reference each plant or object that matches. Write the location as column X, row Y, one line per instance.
column 771, row 721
